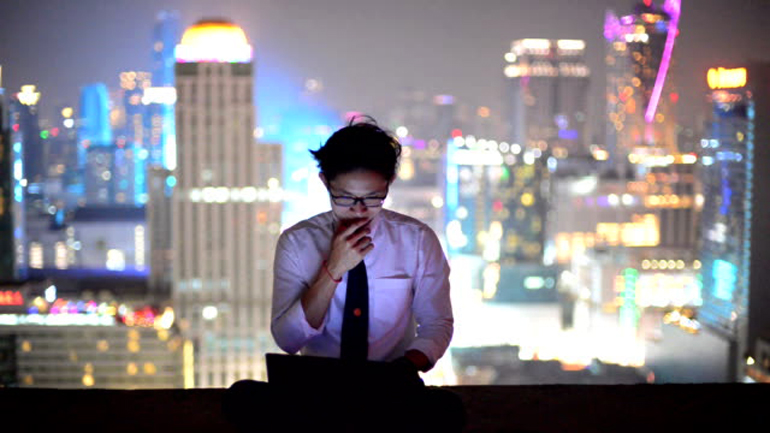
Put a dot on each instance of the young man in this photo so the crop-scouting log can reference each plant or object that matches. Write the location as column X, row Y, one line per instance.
column 360, row 281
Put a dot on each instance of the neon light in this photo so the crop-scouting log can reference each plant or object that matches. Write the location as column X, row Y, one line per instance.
column 674, row 9
column 11, row 297
column 721, row 78
column 159, row 95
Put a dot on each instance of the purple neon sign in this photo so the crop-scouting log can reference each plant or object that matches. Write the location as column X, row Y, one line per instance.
column 674, row 9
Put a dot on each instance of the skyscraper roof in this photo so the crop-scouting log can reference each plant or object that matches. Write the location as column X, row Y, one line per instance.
column 214, row 40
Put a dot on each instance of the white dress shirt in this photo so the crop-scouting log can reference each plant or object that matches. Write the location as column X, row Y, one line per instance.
column 408, row 277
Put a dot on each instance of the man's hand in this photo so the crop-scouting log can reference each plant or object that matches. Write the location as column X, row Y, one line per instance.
column 350, row 245
column 406, row 374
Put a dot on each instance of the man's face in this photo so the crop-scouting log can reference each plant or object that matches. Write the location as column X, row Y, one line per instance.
column 357, row 194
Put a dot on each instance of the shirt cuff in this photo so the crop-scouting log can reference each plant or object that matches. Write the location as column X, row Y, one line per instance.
column 296, row 314
column 429, row 348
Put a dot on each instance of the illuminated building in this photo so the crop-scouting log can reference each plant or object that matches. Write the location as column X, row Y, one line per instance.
column 60, row 343
column 419, row 191
column 94, row 129
column 161, row 104
column 12, row 254
column 495, row 190
column 133, row 141
column 638, row 239
column 26, row 106
column 108, row 240
column 226, row 207
column 160, row 186
column 733, row 167
column 62, row 157
column 547, row 98
column 641, row 96
column 495, row 209
column 109, row 175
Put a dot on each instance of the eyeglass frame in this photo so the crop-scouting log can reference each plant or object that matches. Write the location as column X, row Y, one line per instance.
column 358, row 199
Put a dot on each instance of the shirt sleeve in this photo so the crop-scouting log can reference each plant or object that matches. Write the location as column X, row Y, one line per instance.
column 431, row 306
column 288, row 323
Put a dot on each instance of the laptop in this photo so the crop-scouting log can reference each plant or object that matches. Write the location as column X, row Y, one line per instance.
column 301, row 371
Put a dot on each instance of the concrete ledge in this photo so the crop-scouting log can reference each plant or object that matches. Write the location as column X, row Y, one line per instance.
column 548, row 408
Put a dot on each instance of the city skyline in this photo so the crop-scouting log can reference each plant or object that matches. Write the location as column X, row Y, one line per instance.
column 458, row 51
column 582, row 243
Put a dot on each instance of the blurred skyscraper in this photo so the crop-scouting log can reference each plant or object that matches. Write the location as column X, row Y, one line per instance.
column 25, row 103
column 94, row 129
column 547, row 98
column 134, row 140
column 225, row 208
column 641, row 95
column 160, row 187
column 162, row 97
column 735, row 250
column 12, row 245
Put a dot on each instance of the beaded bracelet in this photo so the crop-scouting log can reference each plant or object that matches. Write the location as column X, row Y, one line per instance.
column 326, row 268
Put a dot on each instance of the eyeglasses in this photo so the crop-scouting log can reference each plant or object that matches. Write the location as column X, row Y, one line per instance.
column 343, row 200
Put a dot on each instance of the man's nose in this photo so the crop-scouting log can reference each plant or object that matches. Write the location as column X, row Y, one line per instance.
column 359, row 209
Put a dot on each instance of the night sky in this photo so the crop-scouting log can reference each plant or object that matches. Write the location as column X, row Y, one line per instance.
column 364, row 51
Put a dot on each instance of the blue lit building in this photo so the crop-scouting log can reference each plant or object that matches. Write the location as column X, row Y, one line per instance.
column 94, row 129
column 735, row 248
column 163, row 125
column 135, row 137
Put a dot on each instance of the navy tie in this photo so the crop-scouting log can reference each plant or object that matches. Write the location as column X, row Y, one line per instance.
column 355, row 319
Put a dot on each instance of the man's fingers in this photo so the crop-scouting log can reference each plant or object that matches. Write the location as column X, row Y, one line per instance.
column 367, row 249
column 366, row 240
column 353, row 226
column 354, row 237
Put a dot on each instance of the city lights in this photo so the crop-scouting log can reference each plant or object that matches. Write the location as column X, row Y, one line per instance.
column 218, row 42
column 28, row 95
column 721, row 78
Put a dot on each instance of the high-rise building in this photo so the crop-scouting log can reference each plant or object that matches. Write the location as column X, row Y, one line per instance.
column 547, row 98
column 160, row 185
column 162, row 96
column 134, row 138
column 110, row 175
column 735, row 250
column 641, row 96
column 12, row 245
column 225, row 207
column 32, row 143
column 94, row 128
column 496, row 202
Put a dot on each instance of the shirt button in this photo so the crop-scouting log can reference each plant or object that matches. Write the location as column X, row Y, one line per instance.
column 357, row 312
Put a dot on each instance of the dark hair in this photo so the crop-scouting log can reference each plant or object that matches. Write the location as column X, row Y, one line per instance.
column 361, row 145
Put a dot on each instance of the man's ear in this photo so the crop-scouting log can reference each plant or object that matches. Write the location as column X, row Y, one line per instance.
column 323, row 179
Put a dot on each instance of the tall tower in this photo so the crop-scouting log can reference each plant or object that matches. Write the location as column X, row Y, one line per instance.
column 640, row 94
column 12, row 244
column 225, row 207
column 162, row 96
column 34, row 153
column 735, row 248
column 94, row 127
column 548, row 94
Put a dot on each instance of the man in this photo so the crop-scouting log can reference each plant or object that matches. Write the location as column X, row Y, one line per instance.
column 360, row 283
column 405, row 273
